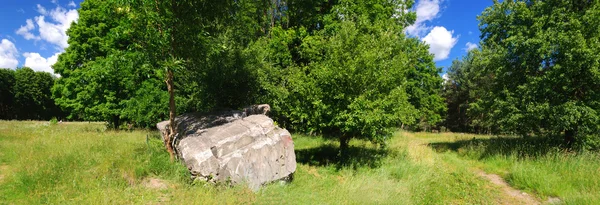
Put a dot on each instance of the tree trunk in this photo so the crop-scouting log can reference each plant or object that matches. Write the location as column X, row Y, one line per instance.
column 172, row 129
column 273, row 12
column 116, row 121
column 570, row 137
column 344, row 144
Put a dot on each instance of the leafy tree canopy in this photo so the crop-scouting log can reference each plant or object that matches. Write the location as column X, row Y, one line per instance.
column 544, row 59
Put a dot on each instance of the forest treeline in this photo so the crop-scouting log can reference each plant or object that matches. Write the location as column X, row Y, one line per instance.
column 26, row 95
column 338, row 68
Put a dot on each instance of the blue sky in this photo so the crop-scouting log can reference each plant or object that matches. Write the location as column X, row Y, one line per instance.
column 450, row 27
column 32, row 32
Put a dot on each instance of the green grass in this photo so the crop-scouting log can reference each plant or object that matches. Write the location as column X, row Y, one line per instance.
column 536, row 165
column 82, row 163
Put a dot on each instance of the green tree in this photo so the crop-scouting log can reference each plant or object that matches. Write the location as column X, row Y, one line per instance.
column 7, row 82
column 351, row 77
column 101, row 71
column 424, row 86
column 173, row 36
column 544, row 59
column 32, row 96
column 467, row 95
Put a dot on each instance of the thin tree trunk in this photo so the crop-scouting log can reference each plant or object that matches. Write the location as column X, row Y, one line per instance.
column 116, row 122
column 273, row 11
column 344, row 144
column 172, row 129
column 570, row 137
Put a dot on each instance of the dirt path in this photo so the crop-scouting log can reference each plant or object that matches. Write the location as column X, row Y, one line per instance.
column 518, row 196
column 421, row 150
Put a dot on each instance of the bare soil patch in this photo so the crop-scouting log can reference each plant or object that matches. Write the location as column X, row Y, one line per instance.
column 514, row 195
column 155, row 183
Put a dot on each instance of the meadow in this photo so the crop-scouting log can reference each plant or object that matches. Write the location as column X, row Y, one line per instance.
column 84, row 163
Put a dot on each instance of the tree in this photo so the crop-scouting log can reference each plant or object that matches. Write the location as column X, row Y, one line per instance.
column 467, row 95
column 424, row 86
column 91, row 85
column 341, row 68
column 348, row 71
column 544, row 59
column 101, row 70
column 7, row 82
column 170, row 34
column 26, row 95
column 353, row 76
column 32, row 96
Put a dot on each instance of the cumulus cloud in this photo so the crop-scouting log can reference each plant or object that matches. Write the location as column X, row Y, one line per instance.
column 445, row 77
column 52, row 26
column 25, row 30
column 470, row 46
column 440, row 42
column 426, row 10
column 8, row 54
column 38, row 63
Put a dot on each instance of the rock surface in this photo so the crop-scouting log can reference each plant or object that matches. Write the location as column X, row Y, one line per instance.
column 235, row 146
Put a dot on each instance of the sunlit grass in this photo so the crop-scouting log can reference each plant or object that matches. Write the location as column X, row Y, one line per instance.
column 83, row 163
column 536, row 165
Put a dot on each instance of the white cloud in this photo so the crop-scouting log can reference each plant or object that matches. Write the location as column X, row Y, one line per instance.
column 470, row 46
column 426, row 10
column 21, row 11
column 51, row 26
column 38, row 63
column 440, row 42
column 72, row 4
column 52, row 30
column 41, row 10
column 25, row 30
column 8, row 54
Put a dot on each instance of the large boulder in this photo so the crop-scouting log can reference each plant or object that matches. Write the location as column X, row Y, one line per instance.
column 235, row 147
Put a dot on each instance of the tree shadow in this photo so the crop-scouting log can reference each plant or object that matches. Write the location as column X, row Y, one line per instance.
column 520, row 147
column 329, row 155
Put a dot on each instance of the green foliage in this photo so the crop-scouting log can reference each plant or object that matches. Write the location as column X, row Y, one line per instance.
column 357, row 87
column 101, row 78
column 346, row 70
column 53, row 121
column 7, row 82
column 536, row 73
column 148, row 105
column 356, row 76
column 467, row 94
column 26, row 95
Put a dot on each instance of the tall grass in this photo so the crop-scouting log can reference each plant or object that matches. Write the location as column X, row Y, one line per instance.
column 536, row 165
column 82, row 163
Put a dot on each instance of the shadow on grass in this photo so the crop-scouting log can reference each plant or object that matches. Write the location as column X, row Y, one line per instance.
column 503, row 146
column 329, row 155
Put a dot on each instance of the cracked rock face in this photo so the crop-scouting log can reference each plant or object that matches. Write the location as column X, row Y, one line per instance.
column 234, row 148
